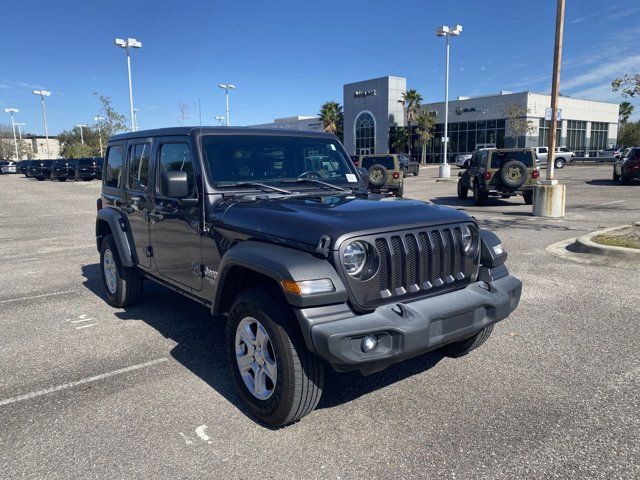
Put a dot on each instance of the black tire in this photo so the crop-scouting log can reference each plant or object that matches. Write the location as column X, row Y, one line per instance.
column 616, row 177
column 559, row 163
column 128, row 284
column 417, row 171
column 400, row 191
column 528, row 197
column 624, row 180
column 62, row 179
column 459, row 349
column 479, row 196
column 513, row 174
column 40, row 179
column 379, row 177
column 300, row 373
column 463, row 191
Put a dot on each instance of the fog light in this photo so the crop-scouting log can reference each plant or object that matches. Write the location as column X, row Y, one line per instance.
column 497, row 249
column 369, row 343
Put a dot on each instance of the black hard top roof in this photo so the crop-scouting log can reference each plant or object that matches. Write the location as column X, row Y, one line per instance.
column 174, row 131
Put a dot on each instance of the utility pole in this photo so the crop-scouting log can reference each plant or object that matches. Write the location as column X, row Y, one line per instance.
column 81, row 133
column 42, row 94
column 11, row 111
column 226, row 87
column 549, row 196
column 98, row 119
column 127, row 44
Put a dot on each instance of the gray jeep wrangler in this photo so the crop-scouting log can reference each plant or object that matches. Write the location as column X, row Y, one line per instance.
column 275, row 231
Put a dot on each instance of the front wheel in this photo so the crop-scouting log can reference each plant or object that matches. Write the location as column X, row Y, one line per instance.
column 559, row 163
column 416, row 171
column 479, row 197
column 462, row 190
column 459, row 349
column 276, row 376
column 122, row 285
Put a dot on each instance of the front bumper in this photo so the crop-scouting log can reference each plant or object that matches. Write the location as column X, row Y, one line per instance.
column 407, row 329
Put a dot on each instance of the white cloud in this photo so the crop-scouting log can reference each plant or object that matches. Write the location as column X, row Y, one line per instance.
column 593, row 15
column 607, row 70
column 483, row 69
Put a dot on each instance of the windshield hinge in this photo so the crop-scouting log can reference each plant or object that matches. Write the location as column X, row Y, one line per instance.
column 324, row 246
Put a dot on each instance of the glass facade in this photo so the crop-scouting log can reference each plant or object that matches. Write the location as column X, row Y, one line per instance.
column 543, row 132
column 577, row 136
column 365, row 130
column 599, row 136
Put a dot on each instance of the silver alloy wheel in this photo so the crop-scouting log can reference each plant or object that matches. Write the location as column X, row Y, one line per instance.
column 110, row 273
column 255, row 358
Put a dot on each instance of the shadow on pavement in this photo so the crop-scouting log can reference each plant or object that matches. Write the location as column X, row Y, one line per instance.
column 491, row 202
column 200, row 345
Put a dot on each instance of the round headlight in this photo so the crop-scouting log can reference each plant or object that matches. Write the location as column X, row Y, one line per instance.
column 354, row 258
column 469, row 240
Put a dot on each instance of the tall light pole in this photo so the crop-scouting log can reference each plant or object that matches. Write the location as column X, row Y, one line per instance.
column 220, row 119
column 226, row 87
column 445, row 31
column 81, row 126
column 42, row 94
column 20, row 125
column 98, row 119
column 11, row 111
column 135, row 118
column 127, row 44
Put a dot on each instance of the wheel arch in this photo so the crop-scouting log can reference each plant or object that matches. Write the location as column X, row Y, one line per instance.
column 110, row 221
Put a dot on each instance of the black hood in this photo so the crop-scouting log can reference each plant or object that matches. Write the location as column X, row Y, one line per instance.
column 305, row 220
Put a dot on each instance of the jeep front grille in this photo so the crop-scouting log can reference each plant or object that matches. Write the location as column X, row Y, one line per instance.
column 422, row 260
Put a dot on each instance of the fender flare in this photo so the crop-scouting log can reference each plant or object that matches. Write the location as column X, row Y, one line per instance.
column 121, row 234
column 280, row 263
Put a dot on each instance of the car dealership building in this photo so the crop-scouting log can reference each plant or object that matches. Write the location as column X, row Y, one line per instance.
column 373, row 108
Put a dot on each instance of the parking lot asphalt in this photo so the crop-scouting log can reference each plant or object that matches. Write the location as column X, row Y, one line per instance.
column 87, row 390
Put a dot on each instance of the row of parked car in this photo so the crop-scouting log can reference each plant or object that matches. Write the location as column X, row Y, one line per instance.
column 61, row 169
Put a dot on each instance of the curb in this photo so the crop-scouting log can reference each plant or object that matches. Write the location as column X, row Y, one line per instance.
column 584, row 244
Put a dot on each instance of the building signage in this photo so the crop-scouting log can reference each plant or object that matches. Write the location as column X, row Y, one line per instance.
column 364, row 93
column 460, row 110
column 547, row 114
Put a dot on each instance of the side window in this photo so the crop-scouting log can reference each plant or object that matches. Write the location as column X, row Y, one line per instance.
column 139, row 166
column 113, row 166
column 176, row 157
column 543, row 150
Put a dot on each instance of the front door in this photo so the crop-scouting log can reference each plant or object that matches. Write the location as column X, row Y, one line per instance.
column 138, row 198
column 175, row 228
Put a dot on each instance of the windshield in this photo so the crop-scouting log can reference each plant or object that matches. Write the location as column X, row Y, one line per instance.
column 386, row 162
column 273, row 158
column 499, row 158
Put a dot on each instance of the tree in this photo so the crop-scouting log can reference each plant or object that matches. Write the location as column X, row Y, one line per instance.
column 398, row 139
column 626, row 109
column 332, row 118
column 411, row 101
column 426, row 124
column 7, row 147
column 629, row 134
column 112, row 122
column 518, row 123
column 184, row 113
column 71, row 143
column 630, row 85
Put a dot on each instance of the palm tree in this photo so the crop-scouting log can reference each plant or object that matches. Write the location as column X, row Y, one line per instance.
column 626, row 109
column 331, row 117
column 411, row 101
column 398, row 139
column 426, row 124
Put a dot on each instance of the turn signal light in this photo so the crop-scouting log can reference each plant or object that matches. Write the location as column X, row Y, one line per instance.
column 535, row 174
column 99, row 204
column 308, row 287
column 487, row 175
column 396, row 175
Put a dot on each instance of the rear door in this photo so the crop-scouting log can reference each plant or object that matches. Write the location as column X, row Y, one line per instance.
column 138, row 201
column 175, row 228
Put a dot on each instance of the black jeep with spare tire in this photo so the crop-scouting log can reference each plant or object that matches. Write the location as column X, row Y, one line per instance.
column 502, row 172
column 276, row 232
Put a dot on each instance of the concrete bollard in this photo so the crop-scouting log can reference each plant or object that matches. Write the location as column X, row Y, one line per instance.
column 549, row 200
column 444, row 171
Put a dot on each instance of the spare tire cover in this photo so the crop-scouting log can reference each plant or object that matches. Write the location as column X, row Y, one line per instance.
column 377, row 175
column 513, row 173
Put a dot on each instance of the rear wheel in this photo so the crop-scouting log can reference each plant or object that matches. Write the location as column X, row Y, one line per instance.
column 278, row 379
column 624, row 180
column 400, row 191
column 417, row 171
column 479, row 196
column 122, row 285
column 462, row 190
column 616, row 177
column 559, row 162
column 459, row 349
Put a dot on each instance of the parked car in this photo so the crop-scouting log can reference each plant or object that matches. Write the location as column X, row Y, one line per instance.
column 501, row 172
column 63, row 169
column 627, row 168
column 89, row 168
column 23, row 167
column 562, row 157
column 409, row 165
column 8, row 166
column 462, row 159
column 307, row 267
column 614, row 152
column 385, row 172
column 40, row 169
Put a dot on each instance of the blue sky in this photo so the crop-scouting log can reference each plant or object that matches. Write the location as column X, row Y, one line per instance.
column 288, row 57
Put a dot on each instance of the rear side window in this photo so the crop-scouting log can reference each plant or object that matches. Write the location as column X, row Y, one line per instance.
column 542, row 150
column 498, row 158
column 386, row 162
column 113, row 167
column 139, row 166
column 176, row 157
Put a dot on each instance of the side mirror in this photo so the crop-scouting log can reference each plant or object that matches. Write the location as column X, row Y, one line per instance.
column 364, row 173
column 174, row 184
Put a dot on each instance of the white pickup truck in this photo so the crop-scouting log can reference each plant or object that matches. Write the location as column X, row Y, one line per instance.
column 562, row 157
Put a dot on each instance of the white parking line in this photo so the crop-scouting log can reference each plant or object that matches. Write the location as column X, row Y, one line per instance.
column 66, row 386
column 19, row 299
column 82, row 320
column 86, row 326
column 610, row 203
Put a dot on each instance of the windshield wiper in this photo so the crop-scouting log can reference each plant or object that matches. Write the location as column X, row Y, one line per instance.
column 313, row 180
column 262, row 186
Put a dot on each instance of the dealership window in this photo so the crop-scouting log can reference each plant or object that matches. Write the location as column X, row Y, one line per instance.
column 464, row 136
column 599, row 134
column 365, row 129
column 543, row 132
column 576, row 135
